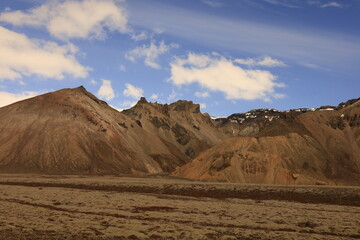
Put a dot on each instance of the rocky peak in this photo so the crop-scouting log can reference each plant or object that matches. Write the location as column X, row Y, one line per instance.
column 81, row 90
column 347, row 103
column 183, row 105
column 143, row 106
column 142, row 101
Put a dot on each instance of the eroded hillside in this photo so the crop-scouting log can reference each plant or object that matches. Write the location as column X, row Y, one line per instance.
column 315, row 147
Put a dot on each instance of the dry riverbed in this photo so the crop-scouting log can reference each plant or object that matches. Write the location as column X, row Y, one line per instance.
column 112, row 207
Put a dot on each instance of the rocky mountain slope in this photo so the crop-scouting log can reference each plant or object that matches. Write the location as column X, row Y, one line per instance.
column 180, row 124
column 320, row 146
column 71, row 131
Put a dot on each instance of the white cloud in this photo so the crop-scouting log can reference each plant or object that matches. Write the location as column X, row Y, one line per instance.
column 22, row 56
column 150, row 53
column 132, row 91
column 213, row 3
column 106, row 91
column 122, row 68
column 7, row 98
column 248, row 61
column 265, row 61
column 202, row 94
column 154, row 96
column 72, row 19
column 139, row 37
column 271, row 62
column 332, row 4
column 221, row 74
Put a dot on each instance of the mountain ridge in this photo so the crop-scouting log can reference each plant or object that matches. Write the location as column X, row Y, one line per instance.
column 71, row 131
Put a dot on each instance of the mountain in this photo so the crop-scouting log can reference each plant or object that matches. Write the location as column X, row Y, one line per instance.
column 303, row 146
column 70, row 131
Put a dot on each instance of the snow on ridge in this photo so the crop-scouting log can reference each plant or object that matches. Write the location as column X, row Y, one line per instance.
column 214, row 118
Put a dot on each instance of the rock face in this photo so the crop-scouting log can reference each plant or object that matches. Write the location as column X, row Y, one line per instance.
column 300, row 147
column 71, row 131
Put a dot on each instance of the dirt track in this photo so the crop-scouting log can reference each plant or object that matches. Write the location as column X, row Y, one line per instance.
column 78, row 207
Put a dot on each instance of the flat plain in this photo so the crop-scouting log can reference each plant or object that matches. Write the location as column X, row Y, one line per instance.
column 160, row 207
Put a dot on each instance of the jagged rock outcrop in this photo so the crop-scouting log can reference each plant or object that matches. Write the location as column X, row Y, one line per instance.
column 180, row 124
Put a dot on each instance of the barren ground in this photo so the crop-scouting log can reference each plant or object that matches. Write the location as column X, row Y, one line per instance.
column 111, row 207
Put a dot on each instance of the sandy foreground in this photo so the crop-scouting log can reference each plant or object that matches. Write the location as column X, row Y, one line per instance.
column 111, row 207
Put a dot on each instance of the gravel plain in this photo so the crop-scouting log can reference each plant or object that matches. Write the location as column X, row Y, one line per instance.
column 159, row 207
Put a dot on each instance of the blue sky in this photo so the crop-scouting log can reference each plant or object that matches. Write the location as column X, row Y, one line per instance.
column 229, row 56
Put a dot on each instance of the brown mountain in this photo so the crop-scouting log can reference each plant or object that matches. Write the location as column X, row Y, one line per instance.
column 314, row 146
column 71, row 131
